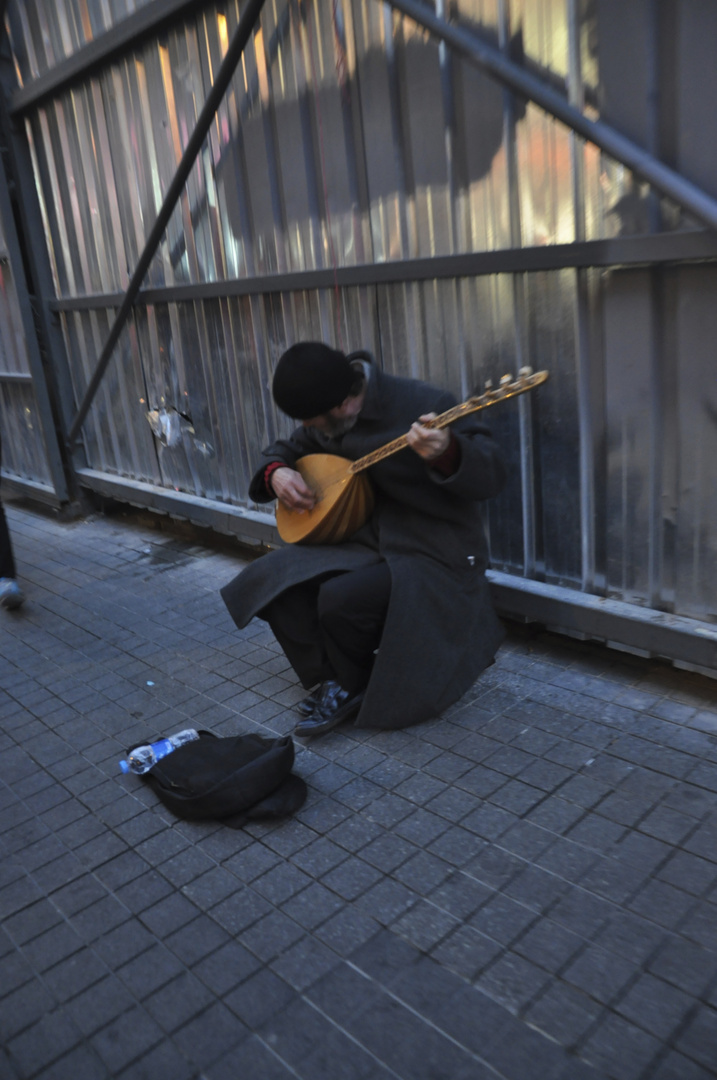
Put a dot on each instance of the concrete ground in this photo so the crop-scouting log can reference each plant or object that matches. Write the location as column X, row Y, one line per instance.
column 525, row 888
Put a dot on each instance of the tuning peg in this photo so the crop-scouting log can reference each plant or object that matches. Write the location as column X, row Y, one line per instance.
column 489, row 384
column 526, row 371
column 505, row 379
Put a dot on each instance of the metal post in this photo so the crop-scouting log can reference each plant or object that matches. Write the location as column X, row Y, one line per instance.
column 582, row 351
column 31, row 278
column 643, row 164
column 242, row 33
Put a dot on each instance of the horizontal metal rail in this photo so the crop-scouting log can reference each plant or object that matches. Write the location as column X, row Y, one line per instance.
column 654, row 633
column 15, row 376
column 699, row 245
column 644, row 165
column 643, row 630
column 34, row 490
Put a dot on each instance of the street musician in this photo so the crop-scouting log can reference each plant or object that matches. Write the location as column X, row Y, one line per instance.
column 395, row 623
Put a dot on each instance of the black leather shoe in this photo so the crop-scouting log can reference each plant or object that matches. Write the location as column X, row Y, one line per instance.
column 334, row 706
column 306, row 706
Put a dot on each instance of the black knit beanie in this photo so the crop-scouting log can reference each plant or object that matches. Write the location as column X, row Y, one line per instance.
column 310, row 379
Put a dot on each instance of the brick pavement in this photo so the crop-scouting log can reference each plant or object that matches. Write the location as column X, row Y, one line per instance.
column 525, row 888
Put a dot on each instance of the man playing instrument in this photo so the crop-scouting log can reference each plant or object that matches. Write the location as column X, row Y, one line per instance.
column 394, row 624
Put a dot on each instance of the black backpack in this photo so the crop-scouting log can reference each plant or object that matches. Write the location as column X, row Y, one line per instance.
column 235, row 779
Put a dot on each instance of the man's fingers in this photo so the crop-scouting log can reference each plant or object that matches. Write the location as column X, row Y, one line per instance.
column 291, row 489
column 428, row 443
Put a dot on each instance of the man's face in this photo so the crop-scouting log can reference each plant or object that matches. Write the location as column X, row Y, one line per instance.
column 339, row 420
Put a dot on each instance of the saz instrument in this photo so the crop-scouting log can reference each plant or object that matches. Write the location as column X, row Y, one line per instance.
column 344, row 496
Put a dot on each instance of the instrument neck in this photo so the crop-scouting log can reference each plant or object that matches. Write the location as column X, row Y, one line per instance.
column 395, row 445
column 508, row 388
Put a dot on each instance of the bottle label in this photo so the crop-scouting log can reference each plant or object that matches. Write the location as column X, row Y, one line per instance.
column 162, row 747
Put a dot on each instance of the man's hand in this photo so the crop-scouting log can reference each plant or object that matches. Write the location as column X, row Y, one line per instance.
column 291, row 490
column 428, row 443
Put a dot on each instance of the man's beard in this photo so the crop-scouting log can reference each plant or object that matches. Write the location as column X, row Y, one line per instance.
column 336, row 426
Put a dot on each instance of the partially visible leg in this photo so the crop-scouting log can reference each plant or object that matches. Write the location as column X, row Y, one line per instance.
column 11, row 595
column 293, row 618
column 7, row 562
column 351, row 613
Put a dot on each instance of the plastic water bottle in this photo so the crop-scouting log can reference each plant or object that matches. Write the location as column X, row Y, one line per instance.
column 143, row 758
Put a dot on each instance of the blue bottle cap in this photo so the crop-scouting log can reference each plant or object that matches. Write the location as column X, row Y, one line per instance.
column 124, row 766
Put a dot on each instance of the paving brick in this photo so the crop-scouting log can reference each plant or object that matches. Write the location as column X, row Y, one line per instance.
column 259, row 997
column 40, row 1045
column 460, row 895
column 31, row 921
column 80, row 1061
column 701, row 924
column 513, row 981
column 676, row 1066
column 548, row 828
column 304, row 963
column 99, row 1005
column 536, row 888
column 196, row 939
column 423, row 872
column 685, row 964
column 689, row 872
column 22, row 1008
column 252, row 862
column 272, row 935
column 582, row 913
column 346, row 930
column 599, row 974
column 162, row 1062
column 351, row 878
column 456, row 846
column 126, row 1040
column 620, row 1048
column 398, row 1038
column 662, row 903
column 556, row 814
column 178, row 1002
column 629, row 935
column 548, row 945
column 72, row 976
column 14, row 972
column 656, row 1006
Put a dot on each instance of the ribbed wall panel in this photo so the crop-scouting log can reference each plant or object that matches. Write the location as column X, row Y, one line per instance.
column 350, row 136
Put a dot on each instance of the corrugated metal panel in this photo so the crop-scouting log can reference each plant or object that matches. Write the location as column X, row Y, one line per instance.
column 49, row 32
column 350, row 136
column 23, row 445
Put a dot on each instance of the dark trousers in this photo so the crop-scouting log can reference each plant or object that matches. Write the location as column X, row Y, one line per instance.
column 7, row 563
column 329, row 627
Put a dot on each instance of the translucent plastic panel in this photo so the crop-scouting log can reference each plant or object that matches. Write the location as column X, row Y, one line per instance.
column 13, row 350
column 23, row 447
column 45, row 32
column 116, row 434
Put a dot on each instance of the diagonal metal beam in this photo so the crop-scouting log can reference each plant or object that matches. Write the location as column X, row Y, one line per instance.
column 246, row 24
column 644, row 165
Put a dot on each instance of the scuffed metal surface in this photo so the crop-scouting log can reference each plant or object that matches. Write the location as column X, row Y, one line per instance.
column 349, row 136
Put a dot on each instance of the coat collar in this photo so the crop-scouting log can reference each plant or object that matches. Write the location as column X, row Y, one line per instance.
column 371, row 408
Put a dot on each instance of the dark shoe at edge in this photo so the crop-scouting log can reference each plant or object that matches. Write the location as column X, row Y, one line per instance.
column 334, row 706
column 306, row 706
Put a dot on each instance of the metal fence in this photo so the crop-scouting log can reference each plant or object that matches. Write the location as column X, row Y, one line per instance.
column 364, row 183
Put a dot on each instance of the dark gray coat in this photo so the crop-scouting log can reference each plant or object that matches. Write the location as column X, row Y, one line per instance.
column 441, row 630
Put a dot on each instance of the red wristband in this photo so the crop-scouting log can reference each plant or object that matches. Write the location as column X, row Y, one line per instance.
column 447, row 464
column 268, row 471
